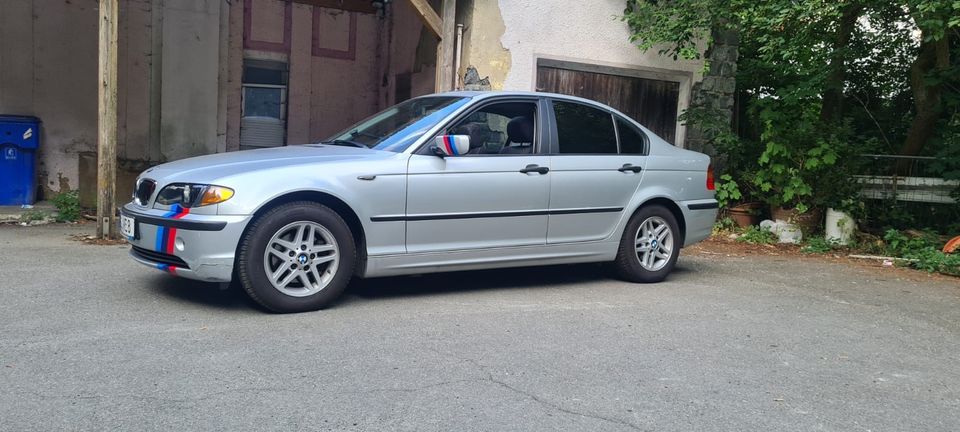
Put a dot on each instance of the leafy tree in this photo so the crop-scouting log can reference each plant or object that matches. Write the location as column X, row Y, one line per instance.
column 819, row 81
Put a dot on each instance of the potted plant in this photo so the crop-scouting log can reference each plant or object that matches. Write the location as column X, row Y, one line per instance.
column 798, row 167
column 734, row 202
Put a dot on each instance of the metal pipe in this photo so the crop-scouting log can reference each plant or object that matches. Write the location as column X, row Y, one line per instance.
column 457, row 84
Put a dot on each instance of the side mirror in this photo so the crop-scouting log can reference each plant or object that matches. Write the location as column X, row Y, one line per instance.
column 452, row 145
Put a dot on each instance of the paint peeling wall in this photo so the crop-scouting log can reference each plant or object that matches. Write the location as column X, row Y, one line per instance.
column 588, row 32
column 484, row 29
column 504, row 39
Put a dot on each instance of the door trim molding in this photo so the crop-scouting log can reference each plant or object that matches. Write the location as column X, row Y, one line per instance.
column 448, row 216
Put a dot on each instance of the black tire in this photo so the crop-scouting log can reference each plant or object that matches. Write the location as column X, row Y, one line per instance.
column 250, row 257
column 627, row 263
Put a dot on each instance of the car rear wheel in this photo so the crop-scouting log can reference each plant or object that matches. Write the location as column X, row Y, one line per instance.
column 296, row 257
column 650, row 245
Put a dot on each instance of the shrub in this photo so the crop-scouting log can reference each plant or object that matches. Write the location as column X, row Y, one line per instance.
column 68, row 206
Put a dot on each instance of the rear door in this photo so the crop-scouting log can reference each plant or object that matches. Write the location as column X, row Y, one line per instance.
column 596, row 165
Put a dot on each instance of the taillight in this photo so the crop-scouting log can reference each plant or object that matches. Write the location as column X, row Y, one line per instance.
column 710, row 185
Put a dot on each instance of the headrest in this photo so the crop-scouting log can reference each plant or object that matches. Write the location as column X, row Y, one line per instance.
column 471, row 129
column 520, row 130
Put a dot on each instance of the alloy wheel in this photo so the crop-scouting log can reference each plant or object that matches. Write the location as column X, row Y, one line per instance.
column 654, row 243
column 301, row 258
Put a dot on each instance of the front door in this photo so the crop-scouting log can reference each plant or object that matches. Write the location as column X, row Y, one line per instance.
column 494, row 196
column 593, row 174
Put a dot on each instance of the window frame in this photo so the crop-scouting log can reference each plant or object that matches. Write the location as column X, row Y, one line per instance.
column 632, row 124
column 555, row 143
column 540, row 133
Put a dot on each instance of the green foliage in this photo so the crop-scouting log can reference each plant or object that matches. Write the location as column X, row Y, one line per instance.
column 922, row 251
column 800, row 167
column 727, row 191
column 724, row 225
column 791, row 54
column 34, row 215
column 68, row 206
column 818, row 245
column 674, row 26
column 757, row 235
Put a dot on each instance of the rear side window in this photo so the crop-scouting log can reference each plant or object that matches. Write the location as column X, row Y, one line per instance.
column 632, row 140
column 582, row 129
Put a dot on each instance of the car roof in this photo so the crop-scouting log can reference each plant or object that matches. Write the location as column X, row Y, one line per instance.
column 495, row 93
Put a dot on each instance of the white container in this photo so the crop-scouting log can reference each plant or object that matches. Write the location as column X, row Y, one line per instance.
column 840, row 227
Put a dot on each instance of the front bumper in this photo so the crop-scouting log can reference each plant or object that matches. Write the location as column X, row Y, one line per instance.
column 200, row 247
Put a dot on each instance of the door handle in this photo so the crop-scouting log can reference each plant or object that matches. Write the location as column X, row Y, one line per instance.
column 535, row 168
column 629, row 167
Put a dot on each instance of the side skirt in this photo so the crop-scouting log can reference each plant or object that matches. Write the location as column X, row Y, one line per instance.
column 436, row 262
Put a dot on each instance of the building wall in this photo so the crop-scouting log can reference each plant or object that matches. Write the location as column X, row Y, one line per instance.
column 190, row 78
column 506, row 38
column 48, row 67
column 180, row 72
column 336, row 61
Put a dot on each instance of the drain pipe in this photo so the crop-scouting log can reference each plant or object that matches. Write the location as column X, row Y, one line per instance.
column 457, row 84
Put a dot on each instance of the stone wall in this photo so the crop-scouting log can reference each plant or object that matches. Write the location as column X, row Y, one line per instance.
column 715, row 94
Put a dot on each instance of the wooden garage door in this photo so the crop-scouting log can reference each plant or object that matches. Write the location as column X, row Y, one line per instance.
column 653, row 103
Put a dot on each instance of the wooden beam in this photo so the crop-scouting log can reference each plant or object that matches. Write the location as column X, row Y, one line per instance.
column 429, row 17
column 445, row 72
column 107, row 120
column 362, row 6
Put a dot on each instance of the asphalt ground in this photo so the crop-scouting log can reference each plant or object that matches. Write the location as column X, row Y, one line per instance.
column 90, row 340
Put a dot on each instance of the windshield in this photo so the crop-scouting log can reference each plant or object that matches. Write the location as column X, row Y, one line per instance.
column 401, row 125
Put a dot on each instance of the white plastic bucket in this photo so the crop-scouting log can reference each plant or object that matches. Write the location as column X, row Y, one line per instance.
column 840, row 227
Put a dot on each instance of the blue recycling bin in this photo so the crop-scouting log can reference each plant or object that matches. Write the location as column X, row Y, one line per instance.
column 19, row 140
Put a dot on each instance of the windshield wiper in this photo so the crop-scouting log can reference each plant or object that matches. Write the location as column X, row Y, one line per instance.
column 346, row 143
column 357, row 133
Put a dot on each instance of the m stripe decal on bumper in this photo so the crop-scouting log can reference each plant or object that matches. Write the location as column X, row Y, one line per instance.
column 166, row 236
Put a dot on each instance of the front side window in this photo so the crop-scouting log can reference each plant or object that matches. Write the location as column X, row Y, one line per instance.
column 399, row 126
column 500, row 128
column 583, row 129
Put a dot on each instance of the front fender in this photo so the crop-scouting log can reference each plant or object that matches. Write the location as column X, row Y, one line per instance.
column 385, row 193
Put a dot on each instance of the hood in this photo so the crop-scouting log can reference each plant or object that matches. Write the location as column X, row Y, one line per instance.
column 207, row 169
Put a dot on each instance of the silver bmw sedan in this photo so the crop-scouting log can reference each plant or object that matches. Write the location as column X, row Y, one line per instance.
column 446, row 182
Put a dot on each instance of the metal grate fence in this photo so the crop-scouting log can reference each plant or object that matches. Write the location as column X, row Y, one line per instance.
column 905, row 179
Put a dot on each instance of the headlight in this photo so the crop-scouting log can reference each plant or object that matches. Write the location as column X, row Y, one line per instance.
column 193, row 195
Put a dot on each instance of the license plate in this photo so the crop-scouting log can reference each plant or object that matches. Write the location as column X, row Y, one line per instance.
column 128, row 226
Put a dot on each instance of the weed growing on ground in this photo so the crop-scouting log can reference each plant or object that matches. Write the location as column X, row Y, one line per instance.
column 68, row 206
column 922, row 251
column 724, row 225
column 34, row 215
column 819, row 245
column 757, row 235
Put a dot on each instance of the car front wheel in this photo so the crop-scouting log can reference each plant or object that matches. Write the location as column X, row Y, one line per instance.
column 296, row 257
column 650, row 245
